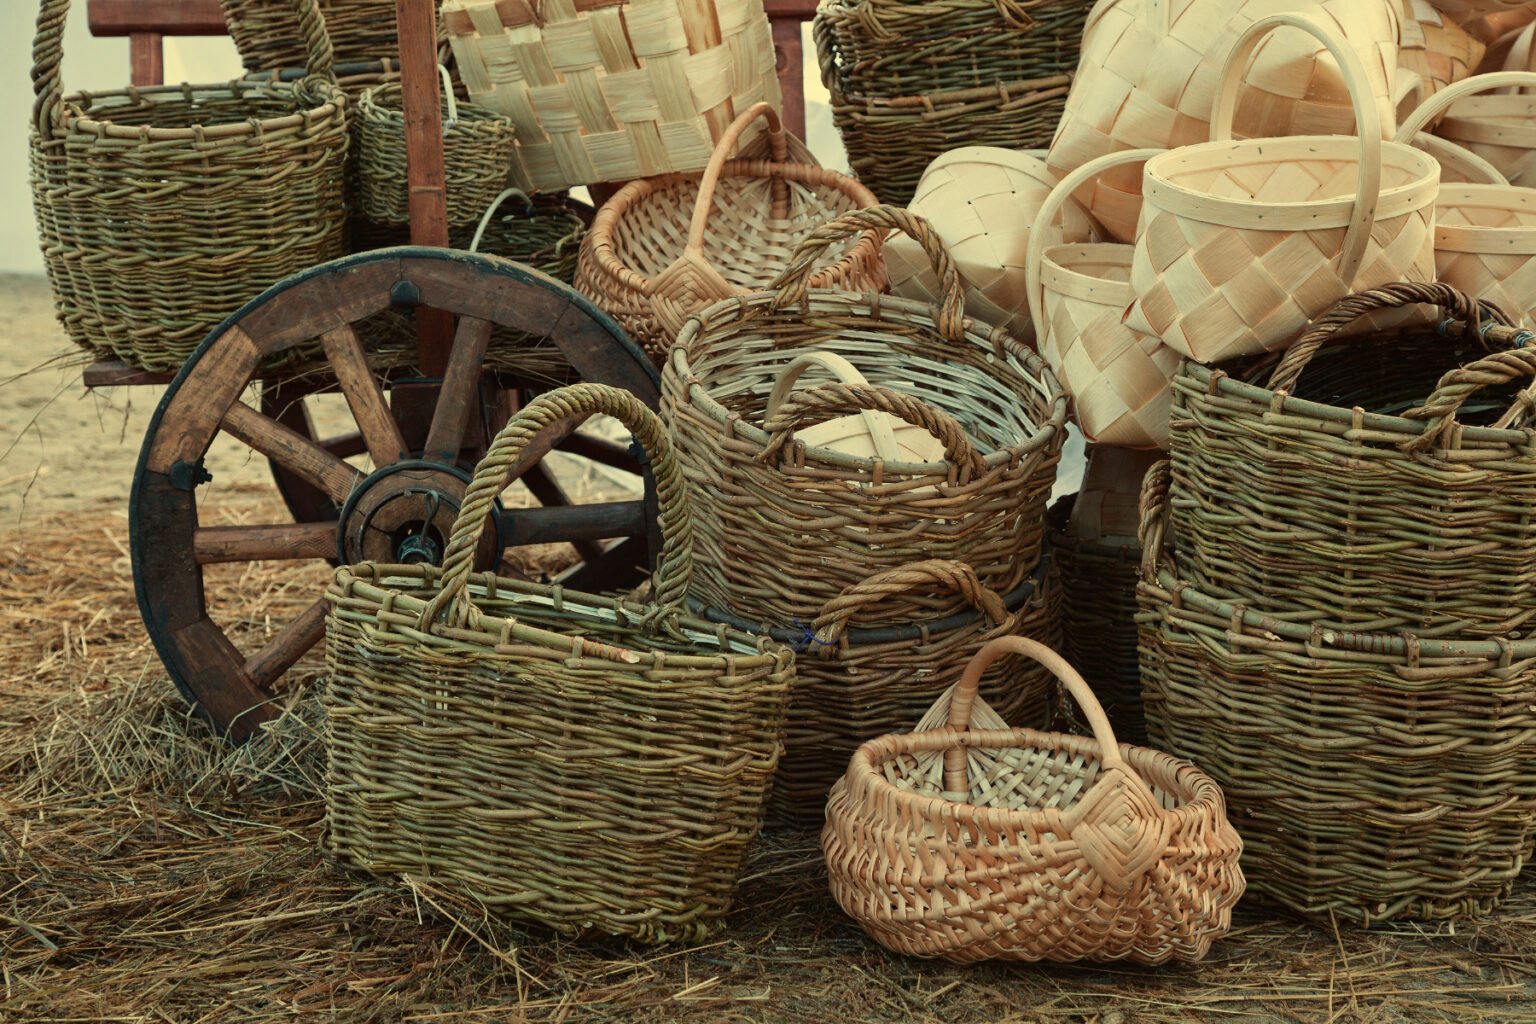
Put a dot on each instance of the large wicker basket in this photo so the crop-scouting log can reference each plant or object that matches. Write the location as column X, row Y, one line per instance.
column 361, row 31
column 605, row 92
column 784, row 528
column 973, row 844
column 163, row 210
column 1373, row 775
column 662, row 249
column 1381, row 483
column 577, row 761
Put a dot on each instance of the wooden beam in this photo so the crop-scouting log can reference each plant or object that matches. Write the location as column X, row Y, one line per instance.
column 167, row 17
column 146, row 58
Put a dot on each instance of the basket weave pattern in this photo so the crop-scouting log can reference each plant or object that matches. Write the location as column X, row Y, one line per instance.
column 1485, row 244
column 263, row 31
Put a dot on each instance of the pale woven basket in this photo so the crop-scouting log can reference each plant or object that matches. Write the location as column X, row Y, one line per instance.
column 968, row 841
column 1078, row 295
column 1433, row 52
column 1485, row 244
column 1148, row 78
column 1500, row 128
column 613, row 91
column 1241, row 243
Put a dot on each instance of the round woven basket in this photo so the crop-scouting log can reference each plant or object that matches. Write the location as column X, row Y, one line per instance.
column 970, row 841
column 662, row 249
column 1485, row 241
column 263, row 31
column 1374, row 775
column 1499, row 128
column 163, row 210
column 784, row 528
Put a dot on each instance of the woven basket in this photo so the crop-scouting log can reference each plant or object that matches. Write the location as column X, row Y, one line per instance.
column 478, row 147
column 1149, row 76
column 1374, row 776
column 1361, row 489
column 263, row 31
column 1466, row 10
column 1433, row 51
column 857, row 677
column 662, row 249
column 1485, row 244
column 1078, row 295
column 1241, row 243
column 163, row 210
column 1458, row 165
column 1498, row 128
column 972, row 843
column 783, row 528
column 613, row 91
column 575, row 761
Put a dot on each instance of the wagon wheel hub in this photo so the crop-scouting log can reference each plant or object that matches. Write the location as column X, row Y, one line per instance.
column 404, row 513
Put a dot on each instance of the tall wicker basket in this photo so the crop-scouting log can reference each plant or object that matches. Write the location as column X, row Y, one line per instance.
column 576, row 761
column 361, row 31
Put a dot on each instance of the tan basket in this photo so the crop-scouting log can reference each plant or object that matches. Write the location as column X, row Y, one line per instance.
column 1466, row 10
column 1433, row 52
column 1078, row 295
column 661, row 250
column 1242, row 243
column 1148, row 79
column 613, row 91
column 1011, row 844
column 1500, row 128
column 1485, row 241
column 981, row 201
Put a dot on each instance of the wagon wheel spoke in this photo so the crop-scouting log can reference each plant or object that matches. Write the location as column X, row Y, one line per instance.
column 344, row 446
column 460, row 391
column 602, row 451
column 289, row 645
column 544, row 487
column 282, row 542
column 623, row 560
column 293, row 451
column 377, row 425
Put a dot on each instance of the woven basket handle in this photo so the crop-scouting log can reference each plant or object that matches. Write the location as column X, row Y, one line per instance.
column 1367, row 123
column 835, row 615
column 576, row 402
column 705, row 204
column 1456, row 304
column 1034, row 286
column 964, row 698
column 490, row 213
column 1152, row 531
column 1441, row 101
column 837, row 397
column 1463, row 161
column 879, row 427
column 791, row 285
column 1462, row 383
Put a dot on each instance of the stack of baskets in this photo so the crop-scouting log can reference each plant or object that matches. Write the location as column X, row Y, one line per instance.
column 912, row 81
column 815, row 535
column 1339, row 579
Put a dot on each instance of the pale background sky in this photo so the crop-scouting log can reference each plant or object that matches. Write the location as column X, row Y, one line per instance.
column 102, row 64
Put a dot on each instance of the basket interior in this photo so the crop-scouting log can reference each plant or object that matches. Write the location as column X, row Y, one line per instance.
column 171, row 108
column 1485, row 206
column 1518, row 111
column 1275, row 175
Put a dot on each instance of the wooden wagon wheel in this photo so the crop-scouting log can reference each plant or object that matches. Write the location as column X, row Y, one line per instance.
column 418, row 440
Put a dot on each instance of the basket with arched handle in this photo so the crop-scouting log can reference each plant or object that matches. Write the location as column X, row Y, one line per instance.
column 1490, row 116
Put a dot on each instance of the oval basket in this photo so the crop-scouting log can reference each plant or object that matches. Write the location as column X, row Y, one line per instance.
column 783, row 528
column 975, row 843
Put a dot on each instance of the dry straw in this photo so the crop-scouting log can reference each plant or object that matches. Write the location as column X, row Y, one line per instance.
column 1497, row 128
column 577, row 761
column 662, row 249
column 1242, row 243
column 783, row 528
column 1373, row 775
column 974, row 842
column 604, row 92
column 163, row 210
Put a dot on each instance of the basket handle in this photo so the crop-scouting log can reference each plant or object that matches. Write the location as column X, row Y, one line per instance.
column 1459, row 158
column 1152, row 530
column 1460, row 384
column 1367, row 123
column 791, row 285
column 1441, row 101
column 576, row 402
column 705, row 204
column 964, row 699
column 879, row 427
column 490, row 212
column 837, row 397
column 1455, row 303
column 1034, row 285
column 835, row 615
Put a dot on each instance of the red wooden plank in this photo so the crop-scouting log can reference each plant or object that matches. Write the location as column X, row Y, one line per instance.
column 167, row 17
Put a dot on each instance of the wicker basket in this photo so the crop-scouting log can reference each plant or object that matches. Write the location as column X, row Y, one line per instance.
column 661, row 250
column 975, row 843
column 857, row 677
column 783, row 528
column 1240, row 243
column 163, row 210
column 1339, row 494
column 1078, row 295
column 478, row 148
column 576, row 761
column 1374, row 776
column 360, row 30
column 1499, row 128
column 613, row 91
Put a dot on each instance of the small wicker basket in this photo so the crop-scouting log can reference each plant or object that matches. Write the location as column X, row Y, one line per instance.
column 974, row 844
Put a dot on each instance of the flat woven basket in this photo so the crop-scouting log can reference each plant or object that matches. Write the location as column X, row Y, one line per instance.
column 613, row 91
column 587, row 764
column 971, row 842
column 783, row 528
column 1374, row 776
column 163, row 210
column 1499, row 128
column 1241, row 243
column 662, row 249
column 478, row 147
column 1382, row 483
column 857, row 677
